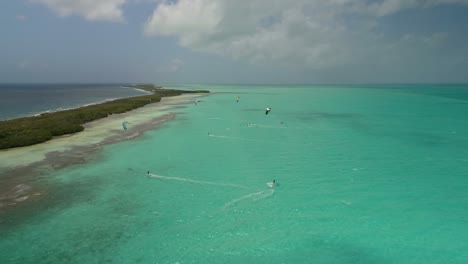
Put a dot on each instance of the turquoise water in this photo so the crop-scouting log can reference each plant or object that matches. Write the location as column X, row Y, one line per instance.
column 365, row 175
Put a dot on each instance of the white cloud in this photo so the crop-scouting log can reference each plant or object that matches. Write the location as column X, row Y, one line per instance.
column 258, row 30
column 21, row 18
column 108, row 10
column 189, row 19
column 388, row 7
column 172, row 67
column 313, row 33
column 176, row 65
column 143, row 1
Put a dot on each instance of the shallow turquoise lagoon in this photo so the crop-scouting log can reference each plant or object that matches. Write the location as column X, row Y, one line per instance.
column 366, row 174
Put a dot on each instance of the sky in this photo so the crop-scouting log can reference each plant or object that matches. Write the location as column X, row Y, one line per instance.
column 234, row 41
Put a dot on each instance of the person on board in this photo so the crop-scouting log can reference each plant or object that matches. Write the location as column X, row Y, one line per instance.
column 272, row 184
column 267, row 110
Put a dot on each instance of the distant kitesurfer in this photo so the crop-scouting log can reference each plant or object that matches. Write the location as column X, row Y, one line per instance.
column 124, row 125
column 271, row 184
column 268, row 109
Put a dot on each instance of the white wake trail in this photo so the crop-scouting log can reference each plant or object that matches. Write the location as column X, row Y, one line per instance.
column 195, row 181
column 235, row 138
column 253, row 196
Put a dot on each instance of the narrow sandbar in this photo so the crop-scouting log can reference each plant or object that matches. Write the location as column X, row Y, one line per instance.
column 19, row 166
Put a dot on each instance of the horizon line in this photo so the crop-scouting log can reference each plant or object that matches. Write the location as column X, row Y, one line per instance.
column 246, row 84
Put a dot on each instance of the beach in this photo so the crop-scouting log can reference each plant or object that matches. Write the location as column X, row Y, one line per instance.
column 20, row 166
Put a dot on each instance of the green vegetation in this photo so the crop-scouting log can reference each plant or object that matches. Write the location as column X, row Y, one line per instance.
column 37, row 129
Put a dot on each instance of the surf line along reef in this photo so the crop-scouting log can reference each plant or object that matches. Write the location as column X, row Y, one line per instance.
column 32, row 130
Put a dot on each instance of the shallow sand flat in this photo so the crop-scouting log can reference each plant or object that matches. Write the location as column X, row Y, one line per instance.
column 96, row 132
column 19, row 164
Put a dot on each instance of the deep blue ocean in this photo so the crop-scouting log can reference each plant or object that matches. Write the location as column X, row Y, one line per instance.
column 18, row 100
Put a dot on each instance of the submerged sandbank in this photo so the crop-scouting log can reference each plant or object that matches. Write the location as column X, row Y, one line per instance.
column 20, row 166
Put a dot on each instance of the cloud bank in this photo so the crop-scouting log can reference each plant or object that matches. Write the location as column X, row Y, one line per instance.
column 315, row 34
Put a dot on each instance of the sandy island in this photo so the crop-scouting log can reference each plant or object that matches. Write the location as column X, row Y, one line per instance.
column 20, row 166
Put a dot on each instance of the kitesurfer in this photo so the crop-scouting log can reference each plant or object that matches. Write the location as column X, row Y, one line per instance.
column 268, row 109
column 271, row 184
column 124, row 125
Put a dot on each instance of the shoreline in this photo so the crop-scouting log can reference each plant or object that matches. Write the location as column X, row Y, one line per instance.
column 28, row 131
column 49, row 111
column 24, row 165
